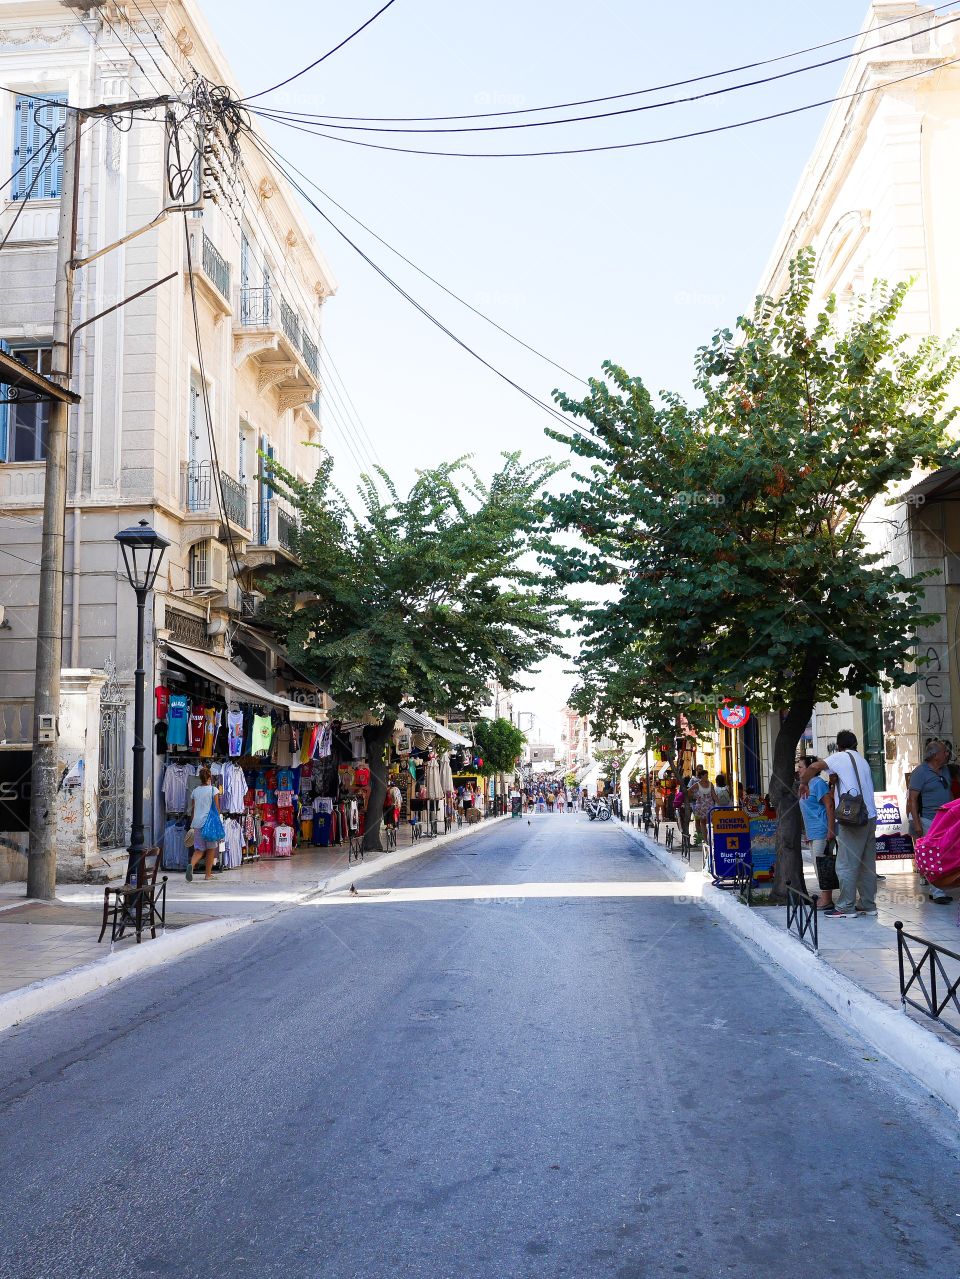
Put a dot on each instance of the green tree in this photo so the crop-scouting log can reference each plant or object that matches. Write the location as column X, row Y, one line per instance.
column 729, row 536
column 422, row 600
column 499, row 743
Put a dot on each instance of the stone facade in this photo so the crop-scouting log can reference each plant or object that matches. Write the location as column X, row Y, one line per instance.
column 138, row 442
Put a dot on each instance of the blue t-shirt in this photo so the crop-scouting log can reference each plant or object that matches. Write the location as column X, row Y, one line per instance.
column 814, row 813
column 934, row 789
column 178, row 712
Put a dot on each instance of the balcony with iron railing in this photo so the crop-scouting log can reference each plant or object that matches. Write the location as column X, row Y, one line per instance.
column 201, row 496
column 270, row 333
column 274, row 533
column 211, row 271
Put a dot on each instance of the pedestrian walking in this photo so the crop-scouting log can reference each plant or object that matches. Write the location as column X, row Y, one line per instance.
column 816, row 807
column 204, row 798
column 856, row 826
column 929, row 789
column 704, row 798
column 561, row 802
column 723, row 792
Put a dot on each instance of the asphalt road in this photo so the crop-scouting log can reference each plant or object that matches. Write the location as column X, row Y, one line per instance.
column 477, row 1080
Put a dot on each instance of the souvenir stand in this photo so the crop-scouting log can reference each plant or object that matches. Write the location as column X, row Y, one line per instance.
column 265, row 753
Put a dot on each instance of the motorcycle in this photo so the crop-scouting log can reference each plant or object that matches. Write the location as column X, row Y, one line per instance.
column 598, row 810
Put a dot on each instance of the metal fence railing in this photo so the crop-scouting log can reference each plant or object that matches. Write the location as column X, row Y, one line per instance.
column 926, row 963
column 234, row 500
column 216, row 268
column 802, row 917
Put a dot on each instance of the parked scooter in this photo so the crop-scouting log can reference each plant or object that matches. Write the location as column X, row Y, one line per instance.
column 598, row 809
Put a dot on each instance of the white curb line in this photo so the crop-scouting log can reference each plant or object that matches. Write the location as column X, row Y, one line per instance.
column 921, row 1054
column 364, row 870
column 42, row 996
column 52, row 992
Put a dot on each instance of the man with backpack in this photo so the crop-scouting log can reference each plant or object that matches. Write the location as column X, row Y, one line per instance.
column 929, row 791
column 856, row 826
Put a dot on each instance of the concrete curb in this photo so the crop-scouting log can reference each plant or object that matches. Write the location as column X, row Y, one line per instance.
column 921, row 1054
column 52, row 992
column 43, row 996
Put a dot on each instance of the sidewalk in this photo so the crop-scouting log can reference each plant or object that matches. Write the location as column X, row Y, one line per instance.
column 856, row 969
column 43, row 941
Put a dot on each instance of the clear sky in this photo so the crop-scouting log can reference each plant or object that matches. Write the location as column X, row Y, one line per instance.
column 635, row 256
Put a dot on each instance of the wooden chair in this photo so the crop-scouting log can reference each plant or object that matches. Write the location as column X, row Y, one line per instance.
column 139, row 903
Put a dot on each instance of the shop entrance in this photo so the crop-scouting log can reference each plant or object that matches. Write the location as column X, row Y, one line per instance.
column 111, row 774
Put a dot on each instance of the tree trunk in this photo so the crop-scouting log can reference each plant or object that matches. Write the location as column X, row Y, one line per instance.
column 376, row 737
column 783, row 786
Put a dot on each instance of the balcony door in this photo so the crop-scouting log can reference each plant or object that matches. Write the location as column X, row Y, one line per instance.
column 198, row 451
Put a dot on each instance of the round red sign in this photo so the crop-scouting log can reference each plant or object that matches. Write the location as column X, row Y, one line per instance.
column 733, row 716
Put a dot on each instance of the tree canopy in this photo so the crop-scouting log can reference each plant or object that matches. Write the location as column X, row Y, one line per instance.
column 423, row 599
column 499, row 744
column 728, row 534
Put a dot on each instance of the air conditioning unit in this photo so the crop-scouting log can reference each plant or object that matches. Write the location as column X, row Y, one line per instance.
column 208, row 566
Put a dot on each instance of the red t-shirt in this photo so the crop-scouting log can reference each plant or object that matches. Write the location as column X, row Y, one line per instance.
column 198, row 721
column 163, row 701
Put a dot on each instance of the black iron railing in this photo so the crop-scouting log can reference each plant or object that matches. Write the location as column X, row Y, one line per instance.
column 311, row 355
column 256, row 307
column 743, row 879
column 216, row 268
column 802, row 917
column 290, row 322
column 234, row 500
column 668, row 839
column 199, row 486
column 928, row 976
column 286, row 529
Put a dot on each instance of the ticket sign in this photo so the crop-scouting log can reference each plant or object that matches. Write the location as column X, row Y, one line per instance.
column 730, row 830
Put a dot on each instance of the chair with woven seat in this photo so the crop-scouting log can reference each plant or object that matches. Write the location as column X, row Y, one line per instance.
column 138, row 903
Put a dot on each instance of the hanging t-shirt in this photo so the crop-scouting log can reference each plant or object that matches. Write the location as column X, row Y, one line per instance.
column 235, row 732
column 198, row 721
column 262, row 734
column 283, row 841
column 163, row 700
column 177, row 714
column 209, row 731
column 361, row 776
column 285, row 779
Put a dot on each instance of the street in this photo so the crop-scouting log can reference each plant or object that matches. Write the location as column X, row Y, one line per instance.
column 481, row 1081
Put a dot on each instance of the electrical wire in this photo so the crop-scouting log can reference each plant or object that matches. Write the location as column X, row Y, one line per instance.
column 280, row 162
column 162, row 74
column 305, row 117
column 336, row 397
column 615, row 146
column 433, row 280
column 328, row 54
column 353, row 412
column 634, row 93
column 146, row 75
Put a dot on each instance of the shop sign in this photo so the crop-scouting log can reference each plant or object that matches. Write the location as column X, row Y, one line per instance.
column 730, row 830
column 516, row 806
column 892, row 840
column 731, row 716
column 15, row 776
column 763, row 846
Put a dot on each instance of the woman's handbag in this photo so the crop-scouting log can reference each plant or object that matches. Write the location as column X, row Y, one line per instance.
column 851, row 808
column 212, row 829
column 827, row 868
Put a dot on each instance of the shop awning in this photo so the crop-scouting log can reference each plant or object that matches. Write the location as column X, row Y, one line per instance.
column 417, row 720
column 278, row 650
column 222, row 671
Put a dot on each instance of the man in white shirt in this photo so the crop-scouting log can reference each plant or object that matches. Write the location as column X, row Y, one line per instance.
column 849, row 773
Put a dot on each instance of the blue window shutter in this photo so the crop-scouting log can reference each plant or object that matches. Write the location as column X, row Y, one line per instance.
column 30, row 141
column 4, row 409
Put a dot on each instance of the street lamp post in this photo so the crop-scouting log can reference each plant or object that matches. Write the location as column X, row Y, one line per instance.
column 143, row 549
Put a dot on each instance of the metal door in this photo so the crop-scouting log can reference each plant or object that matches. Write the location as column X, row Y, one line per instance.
column 111, row 772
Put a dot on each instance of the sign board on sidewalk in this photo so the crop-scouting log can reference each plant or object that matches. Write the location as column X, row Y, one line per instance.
column 516, row 805
column 893, row 841
column 763, row 846
column 730, row 831
column 15, row 767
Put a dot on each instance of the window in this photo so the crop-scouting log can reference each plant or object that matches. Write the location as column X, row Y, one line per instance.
column 38, row 163
column 23, row 424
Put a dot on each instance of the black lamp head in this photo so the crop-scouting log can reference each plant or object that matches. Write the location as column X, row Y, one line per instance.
column 143, row 549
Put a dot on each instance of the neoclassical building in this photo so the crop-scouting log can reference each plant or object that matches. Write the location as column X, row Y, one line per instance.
column 140, row 442
column 878, row 200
